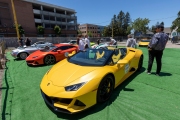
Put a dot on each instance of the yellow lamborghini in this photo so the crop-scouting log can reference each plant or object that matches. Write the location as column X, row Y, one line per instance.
column 88, row 77
column 144, row 42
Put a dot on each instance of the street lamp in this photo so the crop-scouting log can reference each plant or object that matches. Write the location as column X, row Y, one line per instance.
column 15, row 19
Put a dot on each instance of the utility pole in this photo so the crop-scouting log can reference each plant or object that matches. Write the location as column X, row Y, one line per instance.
column 112, row 28
column 15, row 19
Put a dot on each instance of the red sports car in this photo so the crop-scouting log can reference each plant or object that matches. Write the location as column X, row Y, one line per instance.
column 50, row 55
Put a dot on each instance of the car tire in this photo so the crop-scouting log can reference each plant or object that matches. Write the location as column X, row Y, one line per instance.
column 105, row 89
column 49, row 60
column 140, row 64
column 23, row 55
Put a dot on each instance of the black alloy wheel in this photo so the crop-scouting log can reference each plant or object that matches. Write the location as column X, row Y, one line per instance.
column 105, row 89
column 23, row 55
column 49, row 59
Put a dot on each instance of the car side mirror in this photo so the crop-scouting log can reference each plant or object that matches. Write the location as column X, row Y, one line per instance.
column 122, row 62
column 59, row 51
column 66, row 54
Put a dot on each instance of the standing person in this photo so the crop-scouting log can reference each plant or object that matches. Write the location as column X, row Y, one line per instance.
column 80, row 42
column 20, row 41
column 113, row 41
column 87, row 42
column 98, row 41
column 131, row 42
column 155, row 48
column 28, row 42
column 172, row 39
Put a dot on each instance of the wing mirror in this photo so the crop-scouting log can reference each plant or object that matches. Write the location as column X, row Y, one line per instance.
column 59, row 51
column 122, row 62
column 66, row 54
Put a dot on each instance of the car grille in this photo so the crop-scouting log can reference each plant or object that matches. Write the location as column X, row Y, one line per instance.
column 51, row 100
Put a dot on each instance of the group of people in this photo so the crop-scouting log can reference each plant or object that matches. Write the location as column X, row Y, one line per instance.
column 27, row 42
column 83, row 43
column 155, row 48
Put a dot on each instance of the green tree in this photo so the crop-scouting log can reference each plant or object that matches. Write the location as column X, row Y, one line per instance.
column 176, row 23
column 107, row 31
column 89, row 33
column 79, row 32
column 57, row 30
column 140, row 25
column 40, row 30
column 126, row 24
column 20, row 29
column 120, row 19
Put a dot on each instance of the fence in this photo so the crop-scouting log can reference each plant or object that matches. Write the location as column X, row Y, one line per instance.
column 2, row 53
column 13, row 42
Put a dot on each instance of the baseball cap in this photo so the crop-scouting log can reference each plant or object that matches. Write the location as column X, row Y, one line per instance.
column 159, row 26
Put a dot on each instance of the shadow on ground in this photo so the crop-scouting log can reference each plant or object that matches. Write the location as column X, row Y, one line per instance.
column 99, row 107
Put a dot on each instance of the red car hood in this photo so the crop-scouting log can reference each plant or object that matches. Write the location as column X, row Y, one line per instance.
column 36, row 54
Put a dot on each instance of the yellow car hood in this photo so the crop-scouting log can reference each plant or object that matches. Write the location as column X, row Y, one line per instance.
column 143, row 43
column 66, row 73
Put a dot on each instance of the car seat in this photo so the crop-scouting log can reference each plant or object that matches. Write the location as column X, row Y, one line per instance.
column 99, row 55
column 116, row 56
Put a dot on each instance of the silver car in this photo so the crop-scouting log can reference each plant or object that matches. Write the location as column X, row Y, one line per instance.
column 24, row 52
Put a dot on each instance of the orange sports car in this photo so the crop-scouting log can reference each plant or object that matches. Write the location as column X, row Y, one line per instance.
column 50, row 55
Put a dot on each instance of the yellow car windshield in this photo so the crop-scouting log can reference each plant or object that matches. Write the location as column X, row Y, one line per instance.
column 91, row 57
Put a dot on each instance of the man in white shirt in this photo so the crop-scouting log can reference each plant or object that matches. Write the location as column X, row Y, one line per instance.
column 80, row 43
column 87, row 42
column 131, row 42
column 113, row 41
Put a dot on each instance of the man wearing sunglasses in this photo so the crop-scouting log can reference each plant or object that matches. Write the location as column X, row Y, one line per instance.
column 155, row 48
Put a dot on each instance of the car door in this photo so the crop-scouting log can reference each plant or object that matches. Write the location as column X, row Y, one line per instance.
column 120, row 70
column 64, row 49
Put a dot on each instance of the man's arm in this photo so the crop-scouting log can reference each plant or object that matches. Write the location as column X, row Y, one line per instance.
column 154, row 41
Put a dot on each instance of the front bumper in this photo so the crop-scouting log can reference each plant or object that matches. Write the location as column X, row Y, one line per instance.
column 32, row 62
column 70, row 105
column 14, row 54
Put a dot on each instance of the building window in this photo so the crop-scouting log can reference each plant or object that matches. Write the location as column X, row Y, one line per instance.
column 52, row 18
column 46, row 17
column 47, row 25
column 58, row 19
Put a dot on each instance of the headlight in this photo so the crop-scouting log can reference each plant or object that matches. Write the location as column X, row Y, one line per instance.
column 35, row 57
column 74, row 87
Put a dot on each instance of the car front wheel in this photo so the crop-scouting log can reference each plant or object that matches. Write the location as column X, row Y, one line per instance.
column 49, row 59
column 105, row 89
column 23, row 55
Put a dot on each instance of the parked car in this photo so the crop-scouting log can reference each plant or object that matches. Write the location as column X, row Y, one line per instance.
column 71, row 42
column 50, row 55
column 88, row 77
column 144, row 42
column 24, row 52
column 74, row 42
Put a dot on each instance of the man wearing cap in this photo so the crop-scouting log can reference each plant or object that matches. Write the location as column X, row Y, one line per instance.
column 113, row 41
column 155, row 48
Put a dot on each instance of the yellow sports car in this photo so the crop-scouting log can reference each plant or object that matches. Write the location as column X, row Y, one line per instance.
column 144, row 42
column 88, row 77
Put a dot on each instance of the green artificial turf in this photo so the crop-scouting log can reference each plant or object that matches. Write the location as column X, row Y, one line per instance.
column 140, row 97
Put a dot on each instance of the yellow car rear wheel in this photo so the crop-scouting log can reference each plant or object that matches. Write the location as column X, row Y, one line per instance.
column 105, row 89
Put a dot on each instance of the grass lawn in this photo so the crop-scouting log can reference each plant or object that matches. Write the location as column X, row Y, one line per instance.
column 140, row 97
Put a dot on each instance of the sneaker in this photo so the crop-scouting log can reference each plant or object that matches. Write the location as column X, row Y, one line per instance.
column 157, row 74
column 148, row 72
